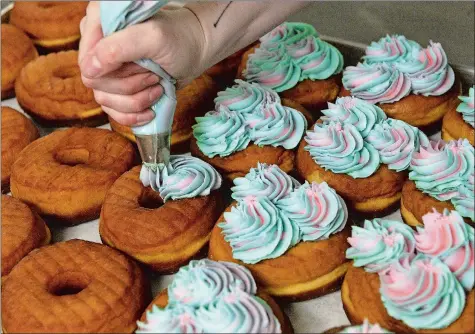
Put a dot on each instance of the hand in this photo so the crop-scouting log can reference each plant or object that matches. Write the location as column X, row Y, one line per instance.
column 173, row 38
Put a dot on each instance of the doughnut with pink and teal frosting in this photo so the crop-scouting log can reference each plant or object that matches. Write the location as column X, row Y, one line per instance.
column 425, row 275
column 467, row 107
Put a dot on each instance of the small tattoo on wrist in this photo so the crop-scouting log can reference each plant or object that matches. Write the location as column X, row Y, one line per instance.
column 222, row 13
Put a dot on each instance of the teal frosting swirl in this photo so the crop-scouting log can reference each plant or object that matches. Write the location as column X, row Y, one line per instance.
column 440, row 169
column 186, row 177
column 257, row 230
column 264, row 181
column 363, row 115
column 464, row 202
column 221, row 132
column 380, row 243
column 201, row 282
column 237, row 312
column 395, row 141
column 316, row 209
column 466, row 107
column 423, row 293
column 340, row 148
column 211, row 297
column 389, row 49
column 291, row 53
column 245, row 97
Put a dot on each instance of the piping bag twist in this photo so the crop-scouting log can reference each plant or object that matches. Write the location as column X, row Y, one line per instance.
column 153, row 138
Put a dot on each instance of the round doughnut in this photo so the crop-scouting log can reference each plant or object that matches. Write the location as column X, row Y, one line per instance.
column 50, row 89
column 17, row 132
column 164, row 235
column 72, row 287
column 22, row 231
column 66, row 174
column 53, row 25
column 17, row 51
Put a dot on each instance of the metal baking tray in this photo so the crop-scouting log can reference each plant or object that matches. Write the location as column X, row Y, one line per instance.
column 313, row 316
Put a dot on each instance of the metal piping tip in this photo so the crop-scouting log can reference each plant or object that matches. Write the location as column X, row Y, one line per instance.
column 154, row 149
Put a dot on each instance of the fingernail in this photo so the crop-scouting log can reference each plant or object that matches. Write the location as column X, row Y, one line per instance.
column 92, row 68
column 145, row 117
column 154, row 93
column 151, row 79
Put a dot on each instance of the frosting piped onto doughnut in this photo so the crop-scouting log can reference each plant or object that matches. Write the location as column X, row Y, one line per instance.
column 446, row 236
column 445, row 172
column 211, row 297
column 395, row 141
column 248, row 113
column 363, row 115
column 339, row 147
column 466, row 107
column 423, row 293
column 274, row 212
column 365, row 327
column 185, row 177
column 390, row 48
column 291, row 53
column 380, row 243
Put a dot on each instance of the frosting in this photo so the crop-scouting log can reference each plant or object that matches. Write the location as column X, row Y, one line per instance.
column 363, row 115
column 446, row 236
column 187, row 177
column 395, row 141
column 274, row 212
column 340, row 148
column 211, row 297
column 291, row 53
column 445, row 172
column 423, row 293
column 316, row 209
column 379, row 83
column 394, row 48
column 365, row 327
column 264, row 181
column 221, row 132
column 466, row 107
column 380, row 243
column 244, row 113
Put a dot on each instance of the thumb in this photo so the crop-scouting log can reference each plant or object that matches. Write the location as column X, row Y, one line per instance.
column 125, row 46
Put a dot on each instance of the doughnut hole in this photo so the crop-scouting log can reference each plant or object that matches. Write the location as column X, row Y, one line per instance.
column 150, row 199
column 68, row 283
column 72, row 156
column 67, row 72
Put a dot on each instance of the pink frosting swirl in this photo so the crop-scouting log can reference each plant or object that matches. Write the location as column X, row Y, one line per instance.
column 380, row 83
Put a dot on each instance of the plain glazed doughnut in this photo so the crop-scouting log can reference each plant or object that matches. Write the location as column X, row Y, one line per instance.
column 50, row 89
column 72, row 287
column 66, row 174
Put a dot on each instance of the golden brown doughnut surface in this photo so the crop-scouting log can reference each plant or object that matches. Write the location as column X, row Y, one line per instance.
column 22, row 231
column 165, row 236
column 17, row 132
column 72, row 287
column 17, row 51
column 454, row 127
column 66, row 174
column 50, row 89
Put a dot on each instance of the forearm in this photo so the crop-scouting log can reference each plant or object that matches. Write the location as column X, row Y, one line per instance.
column 228, row 26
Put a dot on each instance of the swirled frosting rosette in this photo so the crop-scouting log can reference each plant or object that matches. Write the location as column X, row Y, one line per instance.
column 211, row 297
column 395, row 141
column 274, row 212
column 423, row 293
column 187, row 177
column 464, row 202
column 291, row 53
column 248, row 113
column 389, row 49
column 466, row 107
column 365, row 327
column 447, row 237
column 363, row 115
column 340, row 148
column 380, row 243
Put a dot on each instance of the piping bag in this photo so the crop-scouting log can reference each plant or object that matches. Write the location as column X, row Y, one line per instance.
column 153, row 138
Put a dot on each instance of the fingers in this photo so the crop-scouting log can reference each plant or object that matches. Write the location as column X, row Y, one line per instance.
column 130, row 119
column 111, row 52
column 91, row 31
column 129, row 103
column 124, row 86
